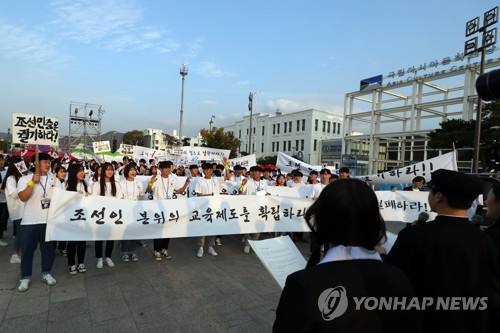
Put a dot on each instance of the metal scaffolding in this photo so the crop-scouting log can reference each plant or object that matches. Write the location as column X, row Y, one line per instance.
column 84, row 124
column 398, row 117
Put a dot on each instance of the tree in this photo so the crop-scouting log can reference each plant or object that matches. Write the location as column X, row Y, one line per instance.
column 186, row 141
column 217, row 138
column 134, row 137
column 171, row 140
column 460, row 133
column 267, row 160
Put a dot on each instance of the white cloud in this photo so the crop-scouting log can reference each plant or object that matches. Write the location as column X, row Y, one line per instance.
column 32, row 47
column 242, row 83
column 207, row 103
column 302, row 102
column 211, row 69
column 115, row 24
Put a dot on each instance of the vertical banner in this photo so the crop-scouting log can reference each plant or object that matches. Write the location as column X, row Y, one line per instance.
column 34, row 129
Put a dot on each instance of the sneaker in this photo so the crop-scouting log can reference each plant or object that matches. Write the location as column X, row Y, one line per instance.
column 110, row 262
column 3, row 243
column 200, row 252
column 246, row 249
column 24, row 284
column 218, row 242
column 99, row 263
column 212, row 251
column 125, row 257
column 135, row 257
column 165, row 254
column 49, row 279
column 157, row 256
column 72, row 270
column 81, row 268
column 15, row 259
column 64, row 253
column 141, row 243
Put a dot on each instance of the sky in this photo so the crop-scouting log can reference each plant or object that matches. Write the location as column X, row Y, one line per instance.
column 126, row 55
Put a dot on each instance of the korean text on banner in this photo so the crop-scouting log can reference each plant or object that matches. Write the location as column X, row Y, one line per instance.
column 34, row 129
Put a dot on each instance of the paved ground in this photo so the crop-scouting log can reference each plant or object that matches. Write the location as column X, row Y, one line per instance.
column 229, row 293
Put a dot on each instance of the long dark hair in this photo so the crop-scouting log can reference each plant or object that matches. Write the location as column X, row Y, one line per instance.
column 346, row 213
column 73, row 171
column 12, row 171
column 102, row 181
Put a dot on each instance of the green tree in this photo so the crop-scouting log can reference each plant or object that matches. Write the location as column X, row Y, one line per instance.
column 217, row 138
column 267, row 160
column 134, row 137
column 186, row 141
column 460, row 133
column 4, row 146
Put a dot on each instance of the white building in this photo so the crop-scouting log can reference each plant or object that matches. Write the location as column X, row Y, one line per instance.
column 155, row 138
column 298, row 133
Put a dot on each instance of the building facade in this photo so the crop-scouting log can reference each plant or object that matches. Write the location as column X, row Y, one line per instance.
column 399, row 114
column 297, row 134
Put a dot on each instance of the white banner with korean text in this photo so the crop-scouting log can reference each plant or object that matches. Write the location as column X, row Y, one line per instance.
column 73, row 217
column 406, row 174
column 245, row 161
column 127, row 150
column 101, row 147
column 34, row 129
column 149, row 153
column 195, row 154
column 287, row 163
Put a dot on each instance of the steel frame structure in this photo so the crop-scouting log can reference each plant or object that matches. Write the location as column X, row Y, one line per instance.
column 84, row 123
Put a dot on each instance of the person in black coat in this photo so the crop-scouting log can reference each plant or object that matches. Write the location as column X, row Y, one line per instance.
column 338, row 293
column 449, row 258
column 416, row 184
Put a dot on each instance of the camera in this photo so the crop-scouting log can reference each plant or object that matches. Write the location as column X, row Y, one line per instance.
column 488, row 85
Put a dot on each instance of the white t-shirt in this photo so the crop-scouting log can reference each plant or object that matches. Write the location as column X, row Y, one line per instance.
column 131, row 190
column 3, row 197
column 96, row 189
column 14, row 204
column 234, row 178
column 253, row 187
column 163, row 188
column 209, row 186
column 33, row 211
column 316, row 189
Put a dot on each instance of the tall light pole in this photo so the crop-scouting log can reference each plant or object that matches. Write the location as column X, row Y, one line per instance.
column 211, row 122
column 488, row 39
column 184, row 73
column 250, row 108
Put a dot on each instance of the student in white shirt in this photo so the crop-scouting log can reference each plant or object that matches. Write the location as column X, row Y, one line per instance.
column 209, row 186
column 132, row 190
column 163, row 189
column 253, row 186
column 109, row 187
column 35, row 191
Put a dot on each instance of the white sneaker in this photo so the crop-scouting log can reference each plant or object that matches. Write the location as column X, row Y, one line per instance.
column 157, row 256
column 72, row 270
column 110, row 262
column 99, row 263
column 49, row 279
column 200, row 252
column 3, row 243
column 246, row 249
column 135, row 257
column 212, row 251
column 165, row 254
column 81, row 268
column 218, row 242
column 24, row 284
column 15, row 259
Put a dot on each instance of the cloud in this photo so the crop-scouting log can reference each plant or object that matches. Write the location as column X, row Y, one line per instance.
column 207, row 103
column 211, row 69
column 32, row 47
column 242, row 83
column 302, row 102
column 115, row 24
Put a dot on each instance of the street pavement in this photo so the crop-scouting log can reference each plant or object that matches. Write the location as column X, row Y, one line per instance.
column 231, row 292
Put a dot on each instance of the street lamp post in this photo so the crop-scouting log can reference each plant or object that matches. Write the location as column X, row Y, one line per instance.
column 250, row 108
column 184, row 73
column 488, row 39
column 211, row 122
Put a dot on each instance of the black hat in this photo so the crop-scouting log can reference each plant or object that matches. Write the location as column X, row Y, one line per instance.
column 456, row 184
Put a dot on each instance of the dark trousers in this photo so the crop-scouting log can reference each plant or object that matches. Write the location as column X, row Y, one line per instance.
column 109, row 248
column 33, row 235
column 77, row 248
column 161, row 244
column 4, row 216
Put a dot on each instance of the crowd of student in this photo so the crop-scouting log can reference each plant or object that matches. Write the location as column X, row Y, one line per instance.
column 27, row 201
